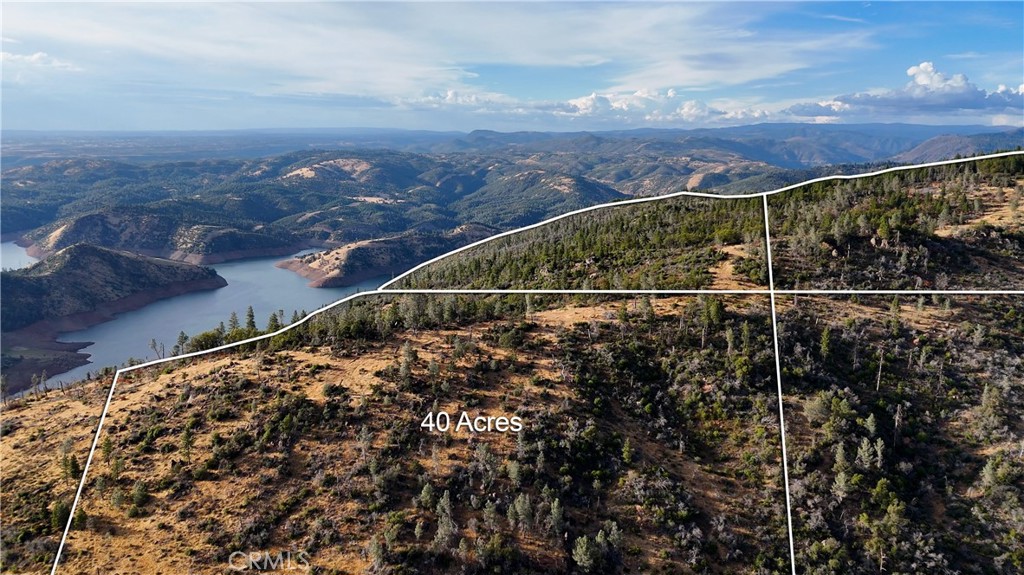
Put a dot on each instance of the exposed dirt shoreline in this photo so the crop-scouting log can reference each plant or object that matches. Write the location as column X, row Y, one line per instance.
column 330, row 278
column 35, row 348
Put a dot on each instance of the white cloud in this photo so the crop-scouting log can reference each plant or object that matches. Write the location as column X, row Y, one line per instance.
column 925, row 78
column 593, row 111
column 406, row 50
column 656, row 108
column 656, row 64
column 929, row 92
column 37, row 60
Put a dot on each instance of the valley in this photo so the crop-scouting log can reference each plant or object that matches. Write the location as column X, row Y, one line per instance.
column 652, row 424
column 383, row 202
column 512, row 288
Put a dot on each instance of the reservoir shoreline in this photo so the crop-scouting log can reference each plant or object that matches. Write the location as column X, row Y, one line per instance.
column 255, row 282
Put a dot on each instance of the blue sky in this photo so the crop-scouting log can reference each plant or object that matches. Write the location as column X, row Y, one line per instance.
column 508, row 66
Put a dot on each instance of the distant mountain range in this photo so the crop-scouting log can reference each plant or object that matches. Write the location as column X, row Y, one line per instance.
column 120, row 191
column 949, row 146
column 786, row 145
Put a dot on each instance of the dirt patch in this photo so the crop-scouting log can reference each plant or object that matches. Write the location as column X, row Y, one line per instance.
column 724, row 273
column 997, row 212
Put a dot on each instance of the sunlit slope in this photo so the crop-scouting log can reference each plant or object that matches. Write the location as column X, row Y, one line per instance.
column 649, row 441
column 670, row 243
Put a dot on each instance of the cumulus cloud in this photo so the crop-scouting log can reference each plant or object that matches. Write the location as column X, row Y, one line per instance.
column 925, row 78
column 653, row 107
column 596, row 110
column 928, row 92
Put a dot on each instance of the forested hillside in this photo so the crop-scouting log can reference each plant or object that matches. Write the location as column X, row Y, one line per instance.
column 905, row 430
column 82, row 277
column 675, row 243
column 947, row 227
column 79, row 286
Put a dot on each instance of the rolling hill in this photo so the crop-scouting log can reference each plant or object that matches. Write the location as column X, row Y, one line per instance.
column 78, row 286
column 651, row 436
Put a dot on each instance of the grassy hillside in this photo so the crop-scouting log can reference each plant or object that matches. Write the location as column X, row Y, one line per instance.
column 366, row 259
column 44, row 444
column 649, row 443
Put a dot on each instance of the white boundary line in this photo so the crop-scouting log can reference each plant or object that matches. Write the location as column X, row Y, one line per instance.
column 383, row 290
column 778, row 382
column 505, row 234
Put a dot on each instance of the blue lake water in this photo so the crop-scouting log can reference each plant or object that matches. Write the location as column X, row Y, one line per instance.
column 13, row 256
column 255, row 282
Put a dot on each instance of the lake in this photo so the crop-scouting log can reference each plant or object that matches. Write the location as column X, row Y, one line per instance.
column 255, row 282
column 13, row 256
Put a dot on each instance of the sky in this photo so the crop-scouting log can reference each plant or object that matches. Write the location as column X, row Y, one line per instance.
column 508, row 65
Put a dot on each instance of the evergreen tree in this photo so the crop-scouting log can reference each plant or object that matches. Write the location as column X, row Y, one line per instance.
column 250, row 319
column 447, row 530
column 273, row 323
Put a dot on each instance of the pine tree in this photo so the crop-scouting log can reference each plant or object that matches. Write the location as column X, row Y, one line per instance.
column 273, row 323
column 841, row 486
column 556, row 520
column 250, row 319
column 627, row 452
column 585, row 553
column 871, row 425
column 841, row 463
column 427, row 496
column 865, row 454
column 524, row 509
column 187, row 441
column 447, row 530
column 108, row 449
column 59, row 516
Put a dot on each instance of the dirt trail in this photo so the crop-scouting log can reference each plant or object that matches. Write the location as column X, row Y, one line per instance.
column 724, row 273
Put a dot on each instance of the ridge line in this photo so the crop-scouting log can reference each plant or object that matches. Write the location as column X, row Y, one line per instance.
column 708, row 195
column 383, row 290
